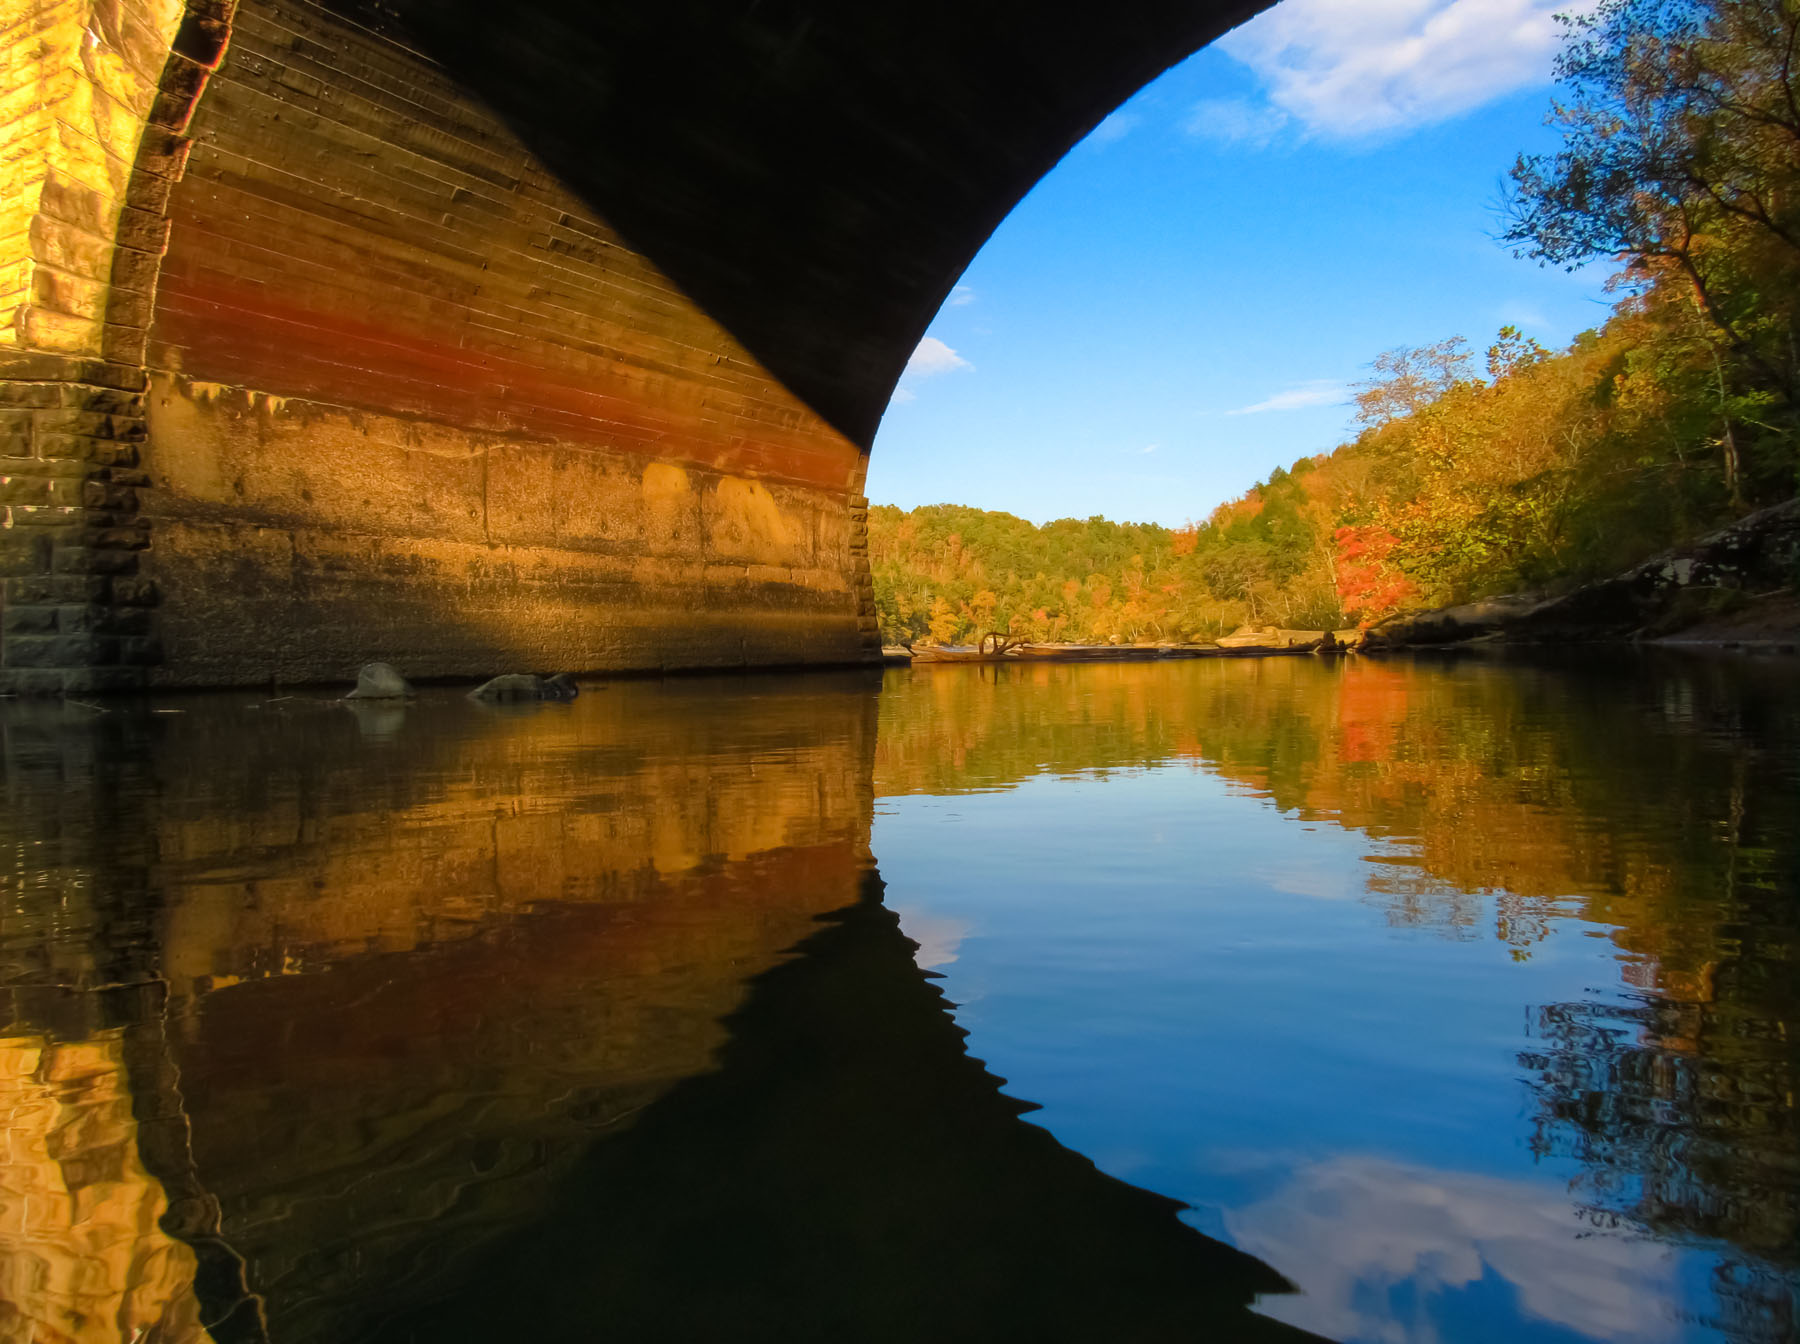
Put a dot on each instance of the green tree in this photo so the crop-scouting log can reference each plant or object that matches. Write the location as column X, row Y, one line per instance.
column 1681, row 154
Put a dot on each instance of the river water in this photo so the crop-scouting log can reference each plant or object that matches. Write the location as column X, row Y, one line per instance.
column 1374, row 1000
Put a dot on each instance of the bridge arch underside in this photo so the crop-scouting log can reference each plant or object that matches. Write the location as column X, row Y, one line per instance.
column 476, row 337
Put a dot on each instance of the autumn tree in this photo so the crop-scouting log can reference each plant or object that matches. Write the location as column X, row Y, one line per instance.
column 1681, row 156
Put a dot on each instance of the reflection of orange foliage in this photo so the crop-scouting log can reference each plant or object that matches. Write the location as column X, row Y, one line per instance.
column 1371, row 706
column 1445, row 767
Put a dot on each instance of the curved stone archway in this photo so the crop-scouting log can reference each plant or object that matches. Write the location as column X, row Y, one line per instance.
column 550, row 334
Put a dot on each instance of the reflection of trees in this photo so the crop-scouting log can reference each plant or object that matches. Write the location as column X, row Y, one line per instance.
column 1683, row 1118
column 1654, row 801
column 1619, row 797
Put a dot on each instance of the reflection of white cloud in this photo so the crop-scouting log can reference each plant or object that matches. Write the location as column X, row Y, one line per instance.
column 1351, row 1230
column 1316, row 883
column 933, row 357
column 938, row 936
column 1354, row 70
column 1319, row 392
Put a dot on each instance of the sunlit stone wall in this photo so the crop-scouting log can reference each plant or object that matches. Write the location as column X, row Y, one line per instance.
column 408, row 398
column 94, row 98
column 412, row 399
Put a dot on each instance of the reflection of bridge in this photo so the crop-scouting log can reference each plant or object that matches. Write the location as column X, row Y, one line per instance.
column 547, row 333
column 422, row 1036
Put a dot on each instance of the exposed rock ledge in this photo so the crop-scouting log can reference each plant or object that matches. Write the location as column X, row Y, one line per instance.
column 1732, row 586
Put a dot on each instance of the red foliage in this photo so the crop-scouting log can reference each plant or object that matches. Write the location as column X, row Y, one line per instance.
column 1369, row 584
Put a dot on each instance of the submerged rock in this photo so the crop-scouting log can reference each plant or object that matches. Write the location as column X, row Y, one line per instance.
column 561, row 687
column 512, row 686
column 379, row 681
column 516, row 687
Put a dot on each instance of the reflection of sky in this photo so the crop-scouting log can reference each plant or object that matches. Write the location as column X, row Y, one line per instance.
column 1189, row 981
column 1418, row 1233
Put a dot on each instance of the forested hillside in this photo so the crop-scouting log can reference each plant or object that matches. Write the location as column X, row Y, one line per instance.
column 1518, row 467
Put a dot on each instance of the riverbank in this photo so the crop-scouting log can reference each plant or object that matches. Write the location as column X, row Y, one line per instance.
column 1243, row 643
column 1735, row 587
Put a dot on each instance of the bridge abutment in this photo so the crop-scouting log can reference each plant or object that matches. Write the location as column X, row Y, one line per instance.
column 335, row 370
column 99, row 94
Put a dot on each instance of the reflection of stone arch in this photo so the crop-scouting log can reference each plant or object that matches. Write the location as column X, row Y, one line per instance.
column 848, row 1171
column 86, row 1258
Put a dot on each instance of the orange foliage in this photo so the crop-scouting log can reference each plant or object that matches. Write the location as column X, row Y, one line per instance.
column 1369, row 583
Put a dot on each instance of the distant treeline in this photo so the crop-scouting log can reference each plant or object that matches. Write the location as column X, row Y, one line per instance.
column 1527, row 468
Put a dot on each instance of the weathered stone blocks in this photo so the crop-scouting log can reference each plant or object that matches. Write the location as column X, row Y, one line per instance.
column 91, row 231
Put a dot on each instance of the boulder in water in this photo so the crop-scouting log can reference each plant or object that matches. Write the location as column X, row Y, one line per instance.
column 512, row 686
column 379, row 681
column 560, row 687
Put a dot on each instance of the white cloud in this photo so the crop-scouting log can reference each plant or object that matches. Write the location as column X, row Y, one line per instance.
column 902, row 395
column 1150, row 448
column 1235, row 121
column 1435, row 1232
column 934, row 357
column 1114, row 128
column 1320, row 392
column 1357, row 69
column 960, row 297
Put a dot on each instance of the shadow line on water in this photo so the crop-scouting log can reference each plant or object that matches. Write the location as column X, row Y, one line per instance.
column 849, row 1171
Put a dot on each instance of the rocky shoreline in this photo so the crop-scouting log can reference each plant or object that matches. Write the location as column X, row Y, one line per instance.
column 1734, row 588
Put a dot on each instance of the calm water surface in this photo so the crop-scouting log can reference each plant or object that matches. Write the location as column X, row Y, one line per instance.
column 1278, row 1000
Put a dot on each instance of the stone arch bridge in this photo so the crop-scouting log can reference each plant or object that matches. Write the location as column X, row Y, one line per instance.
column 486, row 334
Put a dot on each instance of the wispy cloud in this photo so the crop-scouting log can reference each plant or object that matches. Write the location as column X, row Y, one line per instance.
column 1319, row 392
column 1235, row 121
column 1373, row 68
column 1114, row 129
column 960, row 297
column 1526, row 316
column 1150, row 448
column 934, row 357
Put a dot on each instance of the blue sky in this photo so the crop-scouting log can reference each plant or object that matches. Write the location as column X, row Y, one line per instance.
column 1185, row 302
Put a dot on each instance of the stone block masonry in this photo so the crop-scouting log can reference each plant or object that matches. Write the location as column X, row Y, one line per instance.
column 411, row 399
column 97, row 95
